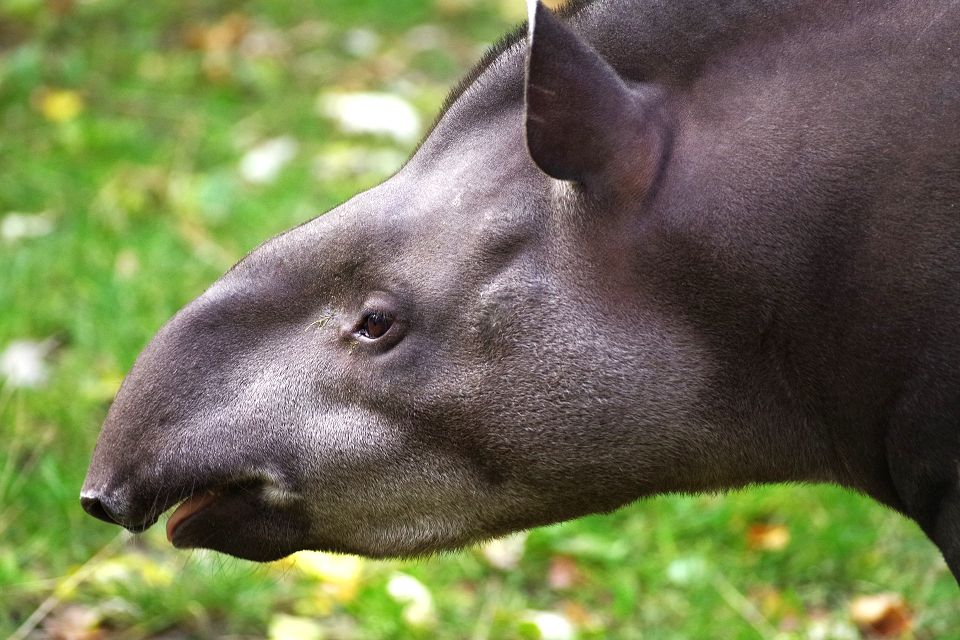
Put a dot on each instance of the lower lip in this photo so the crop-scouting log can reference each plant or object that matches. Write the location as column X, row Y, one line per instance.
column 188, row 508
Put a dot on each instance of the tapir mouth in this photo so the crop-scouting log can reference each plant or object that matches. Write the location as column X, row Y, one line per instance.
column 192, row 505
column 225, row 512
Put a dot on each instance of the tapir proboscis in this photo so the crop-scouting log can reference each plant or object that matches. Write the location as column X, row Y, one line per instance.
column 650, row 246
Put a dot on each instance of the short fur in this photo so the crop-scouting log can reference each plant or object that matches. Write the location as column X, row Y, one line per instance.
column 748, row 271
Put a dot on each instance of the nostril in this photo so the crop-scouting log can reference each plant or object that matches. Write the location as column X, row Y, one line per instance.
column 93, row 506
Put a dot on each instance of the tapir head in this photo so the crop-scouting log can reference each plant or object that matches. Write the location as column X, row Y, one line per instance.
column 485, row 342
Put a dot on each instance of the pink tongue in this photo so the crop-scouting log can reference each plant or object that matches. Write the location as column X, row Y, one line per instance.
column 187, row 509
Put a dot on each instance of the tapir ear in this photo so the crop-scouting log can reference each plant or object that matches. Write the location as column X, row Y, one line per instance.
column 584, row 123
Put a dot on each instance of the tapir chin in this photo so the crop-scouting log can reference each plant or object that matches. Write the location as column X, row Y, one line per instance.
column 649, row 247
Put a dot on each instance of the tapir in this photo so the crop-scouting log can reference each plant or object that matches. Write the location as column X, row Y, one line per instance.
column 649, row 246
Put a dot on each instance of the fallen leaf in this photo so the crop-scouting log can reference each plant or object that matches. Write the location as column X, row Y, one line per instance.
column 338, row 575
column 768, row 537
column 61, row 105
column 329, row 567
column 262, row 164
column 285, row 627
column 883, row 615
column 223, row 35
column 549, row 625
column 505, row 553
column 74, row 622
column 15, row 226
column 23, row 363
column 218, row 43
column 563, row 573
column 822, row 627
column 372, row 113
column 579, row 615
column 418, row 608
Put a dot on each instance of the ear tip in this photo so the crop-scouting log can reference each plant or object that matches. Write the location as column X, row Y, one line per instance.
column 532, row 6
column 541, row 17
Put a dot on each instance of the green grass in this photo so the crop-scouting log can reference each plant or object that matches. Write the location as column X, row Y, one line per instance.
column 148, row 209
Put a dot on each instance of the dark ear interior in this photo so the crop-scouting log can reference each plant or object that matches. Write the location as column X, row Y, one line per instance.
column 583, row 122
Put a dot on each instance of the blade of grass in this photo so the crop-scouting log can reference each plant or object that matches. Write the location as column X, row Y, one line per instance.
column 739, row 603
column 68, row 584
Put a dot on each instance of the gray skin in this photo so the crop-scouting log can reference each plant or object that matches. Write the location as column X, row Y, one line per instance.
column 649, row 247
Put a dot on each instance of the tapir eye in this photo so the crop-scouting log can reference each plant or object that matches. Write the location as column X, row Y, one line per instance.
column 375, row 324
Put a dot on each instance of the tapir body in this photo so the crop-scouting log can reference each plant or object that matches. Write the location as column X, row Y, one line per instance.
column 649, row 247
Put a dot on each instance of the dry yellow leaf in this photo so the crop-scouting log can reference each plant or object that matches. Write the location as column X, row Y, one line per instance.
column 768, row 537
column 339, row 575
column 329, row 567
column 883, row 615
column 224, row 35
column 61, row 105
column 284, row 627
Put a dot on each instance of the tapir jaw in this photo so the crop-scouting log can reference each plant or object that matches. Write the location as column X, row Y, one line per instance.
column 241, row 522
column 259, row 520
column 252, row 517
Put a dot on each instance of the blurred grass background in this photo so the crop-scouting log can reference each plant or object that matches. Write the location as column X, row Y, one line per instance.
column 131, row 133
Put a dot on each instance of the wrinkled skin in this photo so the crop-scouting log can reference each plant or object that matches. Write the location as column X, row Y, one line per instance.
column 712, row 248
